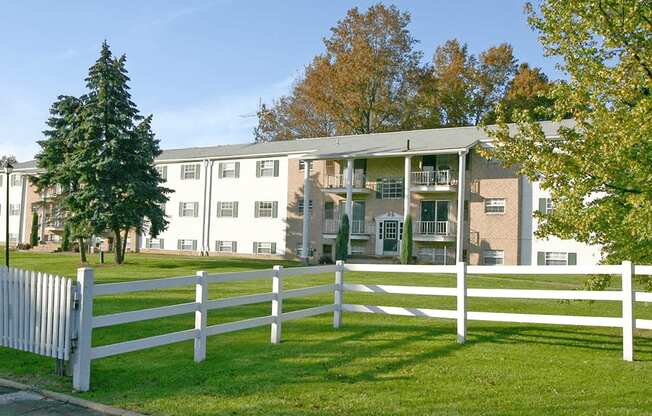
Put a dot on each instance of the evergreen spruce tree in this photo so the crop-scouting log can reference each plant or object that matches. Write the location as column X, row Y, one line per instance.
column 104, row 159
column 33, row 238
column 65, row 240
column 342, row 240
column 407, row 242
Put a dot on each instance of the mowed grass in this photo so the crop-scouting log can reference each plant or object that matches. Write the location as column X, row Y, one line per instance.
column 373, row 365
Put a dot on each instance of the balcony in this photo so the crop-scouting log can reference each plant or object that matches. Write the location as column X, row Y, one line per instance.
column 337, row 184
column 434, row 231
column 360, row 230
column 432, row 181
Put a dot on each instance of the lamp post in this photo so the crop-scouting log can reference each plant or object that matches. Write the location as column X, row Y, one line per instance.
column 8, row 169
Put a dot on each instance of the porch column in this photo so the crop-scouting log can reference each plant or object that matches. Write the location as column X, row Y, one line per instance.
column 349, row 197
column 460, row 205
column 305, row 242
column 406, row 185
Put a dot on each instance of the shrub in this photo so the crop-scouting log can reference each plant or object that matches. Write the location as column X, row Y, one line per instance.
column 406, row 243
column 325, row 260
column 33, row 238
column 342, row 240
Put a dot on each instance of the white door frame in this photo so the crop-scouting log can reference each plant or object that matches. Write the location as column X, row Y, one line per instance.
column 388, row 216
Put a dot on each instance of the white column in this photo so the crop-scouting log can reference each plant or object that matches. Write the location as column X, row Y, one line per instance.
column 349, row 197
column 406, row 193
column 305, row 242
column 81, row 360
column 460, row 204
column 628, row 311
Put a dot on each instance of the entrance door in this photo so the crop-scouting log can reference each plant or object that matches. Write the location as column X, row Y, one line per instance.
column 390, row 237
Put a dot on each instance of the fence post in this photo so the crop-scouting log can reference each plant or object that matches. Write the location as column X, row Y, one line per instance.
column 339, row 288
column 201, row 297
column 277, row 304
column 81, row 362
column 628, row 311
column 461, row 302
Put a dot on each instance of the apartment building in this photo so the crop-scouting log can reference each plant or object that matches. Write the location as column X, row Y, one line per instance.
column 274, row 199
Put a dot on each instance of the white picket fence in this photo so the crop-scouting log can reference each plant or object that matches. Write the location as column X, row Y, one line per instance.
column 36, row 312
column 48, row 327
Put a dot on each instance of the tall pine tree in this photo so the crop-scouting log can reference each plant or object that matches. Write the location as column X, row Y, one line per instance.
column 107, row 149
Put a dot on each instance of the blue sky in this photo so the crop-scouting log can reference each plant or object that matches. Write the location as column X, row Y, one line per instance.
column 202, row 66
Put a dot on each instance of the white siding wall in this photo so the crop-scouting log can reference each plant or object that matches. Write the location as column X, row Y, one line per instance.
column 246, row 190
column 15, row 197
column 586, row 254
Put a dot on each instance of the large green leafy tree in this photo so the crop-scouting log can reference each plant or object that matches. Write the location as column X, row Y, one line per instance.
column 101, row 151
column 599, row 172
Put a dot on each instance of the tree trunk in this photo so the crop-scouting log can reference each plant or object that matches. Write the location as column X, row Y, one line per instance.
column 117, row 246
column 124, row 245
column 82, row 250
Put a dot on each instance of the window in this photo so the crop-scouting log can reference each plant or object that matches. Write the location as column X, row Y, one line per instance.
column 227, row 209
column 14, row 209
column 187, row 245
column 493, row 257
column 228, row 170
column 190, row 171
column 545, row 205
column 163, row 172
column 15, row 180
column 264, row 247
column 266, row 168
column 188, row 209
column 300, row 250
column 226, row 246
column 302, row 165
column 329, row 210
column 358, row 247
column 556, row 258
column 266, row 209
column 300, row 205
column 154, row 243
column 494, row 206
column 389, row 188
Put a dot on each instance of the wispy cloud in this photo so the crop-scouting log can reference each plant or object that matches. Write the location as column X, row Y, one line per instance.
column 222, row 120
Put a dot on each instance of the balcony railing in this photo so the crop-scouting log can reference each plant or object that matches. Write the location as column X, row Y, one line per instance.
column 339, row 181
column 432, row 228
column 432, row 177
column 357, row 227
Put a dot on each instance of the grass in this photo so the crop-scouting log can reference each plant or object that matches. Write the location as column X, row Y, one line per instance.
column 372, row 365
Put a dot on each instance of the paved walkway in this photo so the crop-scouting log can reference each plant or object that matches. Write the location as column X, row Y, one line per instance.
column 25, row 402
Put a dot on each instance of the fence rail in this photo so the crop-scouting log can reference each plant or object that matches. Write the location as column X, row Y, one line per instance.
column 35, row 312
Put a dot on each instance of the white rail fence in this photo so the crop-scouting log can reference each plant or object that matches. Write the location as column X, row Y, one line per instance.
column 85, row 353
column 36, row 312
column 47, row 327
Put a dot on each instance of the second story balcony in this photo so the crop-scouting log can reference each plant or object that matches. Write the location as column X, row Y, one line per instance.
column 337, row 184
column 360, row 229
column 434, row 231
column 432, row 181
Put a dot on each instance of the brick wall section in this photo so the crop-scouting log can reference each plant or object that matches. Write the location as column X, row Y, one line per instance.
column 492, row 231
column 31, row 198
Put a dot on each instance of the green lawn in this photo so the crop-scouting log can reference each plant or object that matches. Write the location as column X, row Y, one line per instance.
column 372, row 365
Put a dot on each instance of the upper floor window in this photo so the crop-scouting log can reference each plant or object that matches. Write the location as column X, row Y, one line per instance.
column 266, row 209
column 163, row 172
column 493, row 257
column 228, row 170
column 188, row 209
column 190, row 171
column 15, row 180
column 545, row 205
column 389, row 188
column 494, row 206
column 227, row 209
column 267, row 168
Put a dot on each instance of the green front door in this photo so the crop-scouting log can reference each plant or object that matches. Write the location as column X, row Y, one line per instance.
column 390, row 237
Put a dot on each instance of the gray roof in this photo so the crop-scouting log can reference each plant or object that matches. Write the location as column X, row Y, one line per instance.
column 440, row 140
